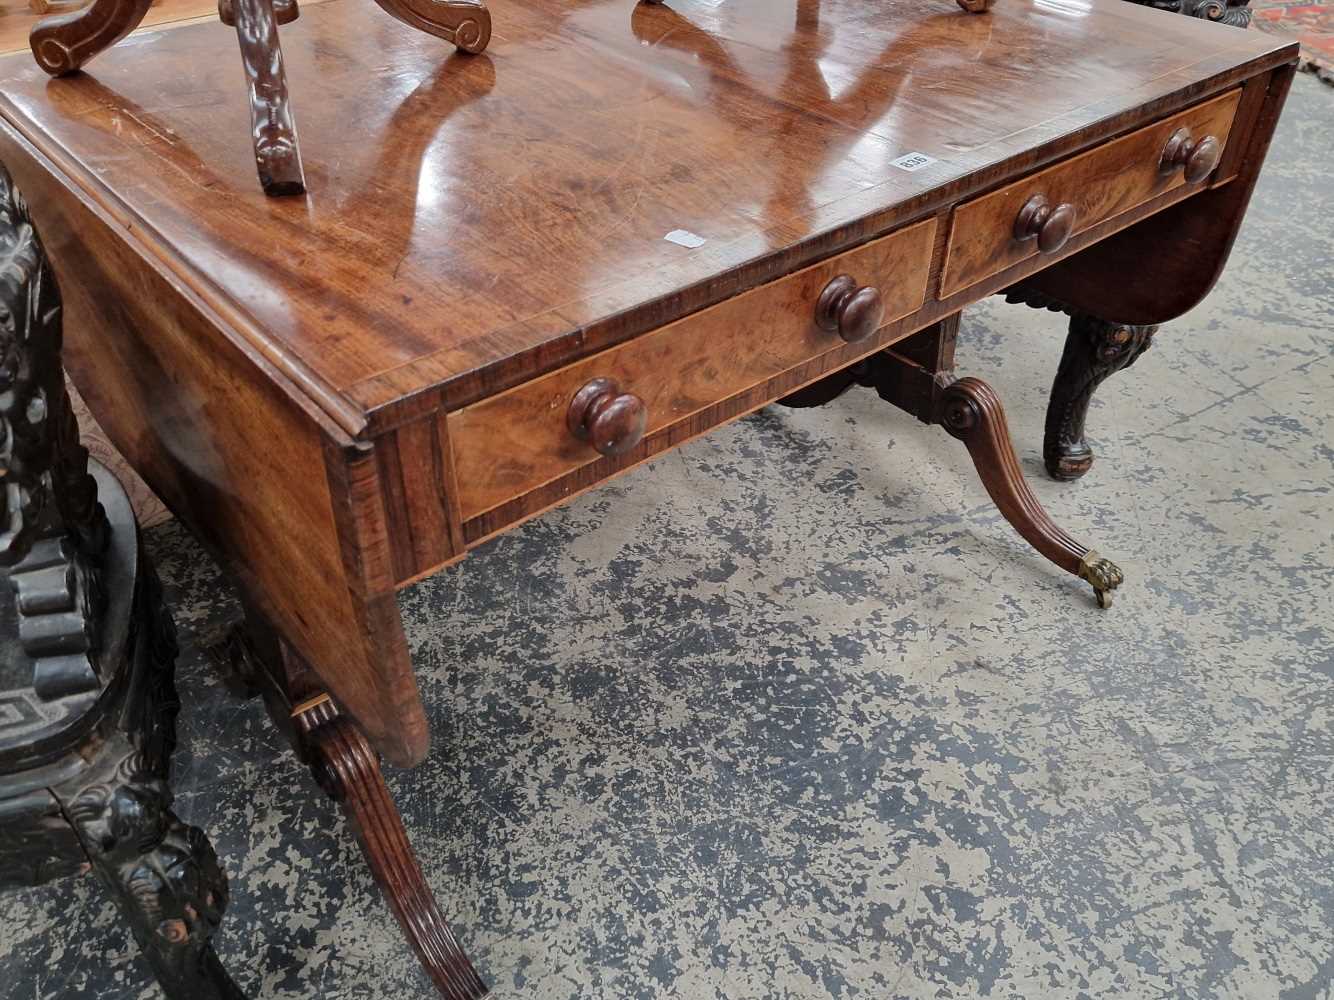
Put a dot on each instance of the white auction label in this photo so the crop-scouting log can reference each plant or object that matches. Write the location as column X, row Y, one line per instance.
column 685, row 238
column 913, row 161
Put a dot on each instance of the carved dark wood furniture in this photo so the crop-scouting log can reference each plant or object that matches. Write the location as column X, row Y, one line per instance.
column 63, row 43
column 520, row 275
column 87, row 653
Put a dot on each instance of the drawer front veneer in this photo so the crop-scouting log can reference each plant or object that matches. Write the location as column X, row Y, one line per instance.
column 518, row 440
column 1039, row 213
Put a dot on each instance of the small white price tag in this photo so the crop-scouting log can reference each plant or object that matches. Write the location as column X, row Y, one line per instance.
column 685, row 238
column 913, row 161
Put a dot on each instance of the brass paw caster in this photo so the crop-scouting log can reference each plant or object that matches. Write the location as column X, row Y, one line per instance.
column 1103, row 574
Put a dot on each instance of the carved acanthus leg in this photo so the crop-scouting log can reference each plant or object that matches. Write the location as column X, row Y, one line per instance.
column 273, row 129
column 971, row 411
column 349, row 771
column 163, row 874
column 1094, row 350
column 465, row 23
column 63, row 43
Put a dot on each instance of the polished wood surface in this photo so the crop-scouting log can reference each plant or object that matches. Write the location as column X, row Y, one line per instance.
column 517, row 275
column 597, row 128
column 16, row 20
column 519, row 440
column 259, row 473
column 995, row 231
column 344, row 391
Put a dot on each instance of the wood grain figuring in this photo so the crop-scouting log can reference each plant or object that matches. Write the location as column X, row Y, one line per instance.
column 304, row 379
column 215, row 432
column 519, row 440
column 1096, row 186
column 496, row 217
column 416, row 468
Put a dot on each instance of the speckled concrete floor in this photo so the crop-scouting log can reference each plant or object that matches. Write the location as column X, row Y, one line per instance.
column 792, row 712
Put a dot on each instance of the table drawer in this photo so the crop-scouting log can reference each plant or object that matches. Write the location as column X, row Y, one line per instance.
column 511, row 443
column 1039, row 213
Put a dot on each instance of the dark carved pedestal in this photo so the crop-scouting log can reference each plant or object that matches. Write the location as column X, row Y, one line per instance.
column 87, row 653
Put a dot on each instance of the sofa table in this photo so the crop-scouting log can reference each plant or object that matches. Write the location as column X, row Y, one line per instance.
column 518, row 274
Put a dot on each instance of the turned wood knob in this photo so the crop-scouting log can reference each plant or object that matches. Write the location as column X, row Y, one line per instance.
column 1051, row 227
column 851, row 312
column 611, row 421
column 1198, row 156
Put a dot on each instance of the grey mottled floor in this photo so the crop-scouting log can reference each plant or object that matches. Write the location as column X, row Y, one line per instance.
column 792, row 713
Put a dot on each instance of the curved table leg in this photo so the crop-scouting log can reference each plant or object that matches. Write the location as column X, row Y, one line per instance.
column 63, row 43
column 916, row 375
column 1094, row 350
column 466, row 23
column 348, row 770
column 273, row 129
column 970, row 410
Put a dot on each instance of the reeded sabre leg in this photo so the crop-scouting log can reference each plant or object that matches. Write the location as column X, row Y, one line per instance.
column 916, row 375
column 349, row 771
column 254, row 660
column 971, row 411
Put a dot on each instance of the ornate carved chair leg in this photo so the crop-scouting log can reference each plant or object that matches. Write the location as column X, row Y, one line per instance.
column 466, row 23
column 163, row 874
column 971, row 411
column 348, row 770
column 1094, row 350
column 64, row 42
column 273, row 129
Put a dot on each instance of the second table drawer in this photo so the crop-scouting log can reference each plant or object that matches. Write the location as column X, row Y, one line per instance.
column 516, row 441
column 1086, row 190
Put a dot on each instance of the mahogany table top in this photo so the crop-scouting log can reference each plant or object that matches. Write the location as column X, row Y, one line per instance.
column 475, row 220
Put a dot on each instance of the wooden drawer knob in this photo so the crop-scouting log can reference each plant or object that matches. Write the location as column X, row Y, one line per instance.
column 1198, row 156
column 1051, row 227
column 851, row 312
column 611, row 421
